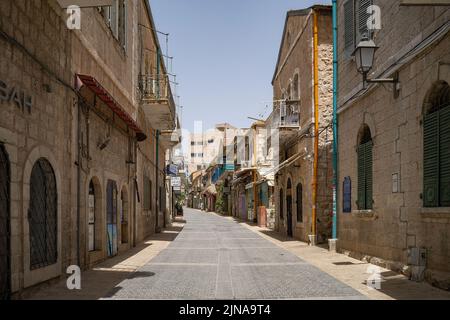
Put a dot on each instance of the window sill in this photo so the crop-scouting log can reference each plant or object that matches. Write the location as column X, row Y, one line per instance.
column 438, row 212
column 365, row 214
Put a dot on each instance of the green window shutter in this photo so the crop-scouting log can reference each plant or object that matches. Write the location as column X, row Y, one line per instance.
column 349, row 27
column 368, row 162
column 365, row 176
column 361, row 178
column 444, row 156
column 299, row 202
column 431, row 160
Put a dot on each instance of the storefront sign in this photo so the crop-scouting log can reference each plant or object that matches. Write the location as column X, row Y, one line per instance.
column 229, row 167
column 172, row 170
column 176, row 182
column 249, row 186
column 11, row 94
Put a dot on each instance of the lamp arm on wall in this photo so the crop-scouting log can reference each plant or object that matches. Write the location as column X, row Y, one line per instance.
column 394, row 80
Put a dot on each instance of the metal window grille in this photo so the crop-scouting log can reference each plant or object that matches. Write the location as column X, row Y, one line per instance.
column 42, row 216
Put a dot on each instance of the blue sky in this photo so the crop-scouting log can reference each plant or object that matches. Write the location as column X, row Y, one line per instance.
column 224, row 54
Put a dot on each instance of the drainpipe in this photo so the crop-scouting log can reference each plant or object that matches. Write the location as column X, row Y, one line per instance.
column 157, row 182
column 79, row 182
column 335, row 128
column 313, row 236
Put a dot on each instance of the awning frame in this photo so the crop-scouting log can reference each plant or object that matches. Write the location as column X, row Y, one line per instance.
column 93, row 85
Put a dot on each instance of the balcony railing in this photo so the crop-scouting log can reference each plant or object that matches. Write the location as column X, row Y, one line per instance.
column 289, row 115
column 154, row 88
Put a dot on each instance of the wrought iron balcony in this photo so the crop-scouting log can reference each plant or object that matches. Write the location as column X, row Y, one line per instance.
column 288, row 115
column 154, row 88
column 157, row 101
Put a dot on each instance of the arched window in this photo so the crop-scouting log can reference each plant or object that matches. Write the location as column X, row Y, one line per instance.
column 295, row 88
column 365, row 168
column 281, row 204
column 299, row 194
column 124, row 215
column 42, row 215
column 436, row 147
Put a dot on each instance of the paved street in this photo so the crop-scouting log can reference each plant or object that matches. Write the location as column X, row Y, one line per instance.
column 216, row 258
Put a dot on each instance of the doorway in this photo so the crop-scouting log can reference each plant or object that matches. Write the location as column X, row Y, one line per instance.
column 111, row 218
column 124, row 216
column 5, row 254
column 289, row 208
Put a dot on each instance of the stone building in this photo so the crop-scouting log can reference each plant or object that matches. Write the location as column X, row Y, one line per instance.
column 205, row 147
column 82, row 137
column 393, row 139
column 294, row 117
column 252, row 185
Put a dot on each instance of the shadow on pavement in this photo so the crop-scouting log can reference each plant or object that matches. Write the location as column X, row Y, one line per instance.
column 101, row 281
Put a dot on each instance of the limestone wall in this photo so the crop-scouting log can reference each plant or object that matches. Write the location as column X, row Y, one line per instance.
column 398, row 220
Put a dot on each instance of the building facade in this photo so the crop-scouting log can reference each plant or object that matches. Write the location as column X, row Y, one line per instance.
column 302, row 118
column 252, row 185
column 393, row 140
column 77, row 138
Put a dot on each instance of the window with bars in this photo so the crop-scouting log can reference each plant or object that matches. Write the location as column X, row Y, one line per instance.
column 299, row 195
column 281, row 204
column 365, row 171
column 42, row 215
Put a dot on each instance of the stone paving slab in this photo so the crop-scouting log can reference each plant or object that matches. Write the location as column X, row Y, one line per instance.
column 195, row 244
column 216, row 258
column 286, row 282
column 170, row 282
column 262, row 255
column 187, row 256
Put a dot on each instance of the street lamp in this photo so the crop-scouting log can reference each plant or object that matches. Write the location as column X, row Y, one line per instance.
column 364, row 56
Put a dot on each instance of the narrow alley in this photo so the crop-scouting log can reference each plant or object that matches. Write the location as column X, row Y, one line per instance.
column 225, row 151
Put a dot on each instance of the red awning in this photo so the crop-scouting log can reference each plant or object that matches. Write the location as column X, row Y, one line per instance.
column 104, row 95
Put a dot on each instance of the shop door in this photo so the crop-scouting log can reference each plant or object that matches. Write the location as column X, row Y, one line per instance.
column 111, row 218
column 5, row 281
column 243, row 207
column 289, row 215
